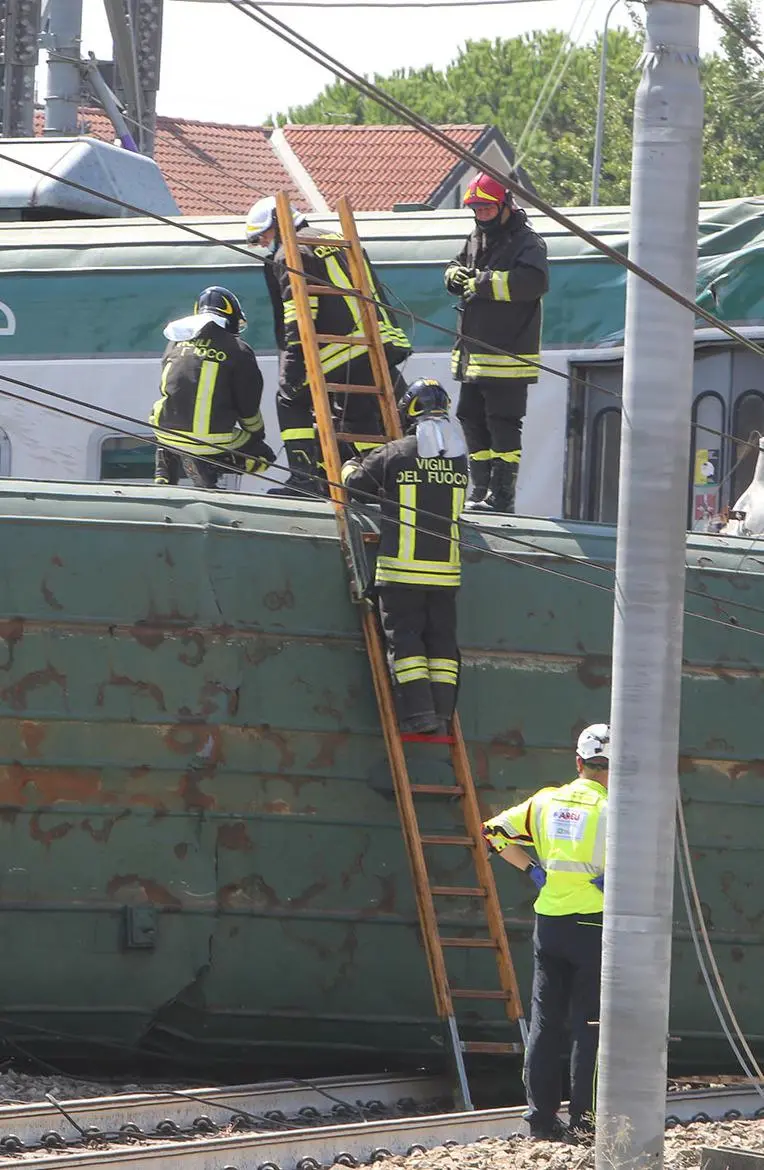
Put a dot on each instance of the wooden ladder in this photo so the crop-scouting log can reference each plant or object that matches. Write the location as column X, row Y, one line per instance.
column 427, row 894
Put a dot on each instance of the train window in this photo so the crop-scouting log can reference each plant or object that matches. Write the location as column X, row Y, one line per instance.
column 747, row 427
column 707, row 457
column 603, row 476
column 125, row 458
column 5, row 453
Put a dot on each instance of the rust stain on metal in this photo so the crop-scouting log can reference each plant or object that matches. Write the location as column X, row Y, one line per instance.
column 594, row 670
column 191, row 793
column 306, row 897
column 11, row 632
column 509, row 745
column 386, row 901
column 16, row 696
column 252, row 890
column 355, row 867
column 267, row 735
column 133, row 890
column 328, row 745
column 754, row 767
column 104, row 831
column 195, row 640
column 196, row 739
column 46, row 837
column 138, row 686
column 260, row 649
column 149, row 635
column 210, row 690
column 235, row 836
column 279, row 599
column 32, row 734
column 281, row 807
column 181, row 850
column 52, row 785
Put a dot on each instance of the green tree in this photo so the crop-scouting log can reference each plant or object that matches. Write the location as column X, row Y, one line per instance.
column 503, row 82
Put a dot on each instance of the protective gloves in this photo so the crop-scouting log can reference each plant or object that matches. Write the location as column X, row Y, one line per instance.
column 599, row 882
column 458, row 276
column 537, row 875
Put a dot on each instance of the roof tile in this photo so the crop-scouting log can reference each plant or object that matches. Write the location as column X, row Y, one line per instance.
column 378, row 166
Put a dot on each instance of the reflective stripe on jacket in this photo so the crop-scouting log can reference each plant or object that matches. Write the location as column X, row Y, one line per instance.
column 210, row 391
column 566, row 826
column 421, row 502
column 338, row 315
column 503, row 313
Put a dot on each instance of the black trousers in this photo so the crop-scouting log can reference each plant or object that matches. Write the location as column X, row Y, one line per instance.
column 491, row 414
column 422, row 651
column 567, row 953
column 170, row 464
column 354, row 413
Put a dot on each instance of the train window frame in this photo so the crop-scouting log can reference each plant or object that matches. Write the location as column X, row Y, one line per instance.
column 751, row 392
column 139, row 435
column 594, row 469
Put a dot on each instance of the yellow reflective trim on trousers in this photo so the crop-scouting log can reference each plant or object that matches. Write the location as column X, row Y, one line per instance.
column 443, row 664
column 297, row 433
column 457, row 507
column 500, row 286
column 407, row 530
column 480, row 456
column 440, row 676
column 208, row 445
column 507, row 456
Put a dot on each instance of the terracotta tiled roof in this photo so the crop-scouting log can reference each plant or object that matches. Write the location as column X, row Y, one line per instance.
column 211, row 169
column 377, row 166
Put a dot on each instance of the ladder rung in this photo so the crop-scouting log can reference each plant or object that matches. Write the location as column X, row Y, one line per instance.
column 464, row 993
column 491, row 1047
column 323, row 241
column 346, row 437
column 350, row 388
column 356, row 339
column 436, row 839
column 438, row 789
column 459, row 891
column 329, row 290
column 484, row 943
column 414, row 737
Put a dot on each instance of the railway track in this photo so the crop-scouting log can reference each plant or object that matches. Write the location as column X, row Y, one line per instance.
column 349, row 1144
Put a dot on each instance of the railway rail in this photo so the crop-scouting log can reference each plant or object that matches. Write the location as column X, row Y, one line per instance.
column 311, row 1148
column 272, row 1105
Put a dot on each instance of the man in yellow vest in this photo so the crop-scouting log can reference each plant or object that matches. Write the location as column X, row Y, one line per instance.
column 566, row 828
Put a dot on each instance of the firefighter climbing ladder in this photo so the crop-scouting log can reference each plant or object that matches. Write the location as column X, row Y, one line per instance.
column 427, row 894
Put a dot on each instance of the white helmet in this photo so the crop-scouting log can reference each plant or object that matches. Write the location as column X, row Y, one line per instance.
column 262, row 215
column 594, row 742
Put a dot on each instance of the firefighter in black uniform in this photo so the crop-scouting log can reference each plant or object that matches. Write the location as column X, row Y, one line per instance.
column 501, row 275
column 421, row 482
column 211, row 388
column 338, row 315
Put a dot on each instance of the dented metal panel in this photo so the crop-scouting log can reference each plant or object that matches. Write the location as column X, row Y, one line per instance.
column 196, row 813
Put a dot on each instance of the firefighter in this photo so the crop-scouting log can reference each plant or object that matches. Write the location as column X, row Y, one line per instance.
column 500, row 275
column 211, row 387
column 341, row 363
column 421, row 481
column 566, row 828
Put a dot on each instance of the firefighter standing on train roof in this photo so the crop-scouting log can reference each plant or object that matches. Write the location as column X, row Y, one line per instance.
column 566, row 827
column 421, row 481
column 500, row 275
column 342, row 362
column 211, row 388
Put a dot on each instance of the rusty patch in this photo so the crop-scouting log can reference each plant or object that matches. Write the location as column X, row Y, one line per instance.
column 138, row 686
column 594, row 671
column 16, row 696
column 267, row 735
column 280, row 807
column 754, row 767
column 103, row 833
column 52, row 785
column 32, row 735
column 181, row 850
column 355, row 867
column 235, row 836
column 46, row 837
column 306, row 897
column 328, row 745
column 50, row 598
column 194, row 639
column 386, row 901
column 191, row 793
column 211, row 689
column 8, row 815
column 132, row 890
column 11, row 632
column 252, row 891
column 279, row 599
column 148, row 636
column 260, row 649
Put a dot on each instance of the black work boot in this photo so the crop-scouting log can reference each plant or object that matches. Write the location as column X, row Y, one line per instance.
column 303, row 470
column 501, row 494
column 480, row 474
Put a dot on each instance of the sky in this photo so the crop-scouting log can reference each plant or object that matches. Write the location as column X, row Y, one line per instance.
column 218, row 65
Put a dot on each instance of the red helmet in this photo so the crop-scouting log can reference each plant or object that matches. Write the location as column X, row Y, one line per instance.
column 485, row 189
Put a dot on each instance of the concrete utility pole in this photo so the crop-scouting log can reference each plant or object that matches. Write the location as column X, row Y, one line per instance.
column 649, row 595
column 63, row 31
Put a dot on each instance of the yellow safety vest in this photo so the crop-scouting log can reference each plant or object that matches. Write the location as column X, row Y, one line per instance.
column 566, row 826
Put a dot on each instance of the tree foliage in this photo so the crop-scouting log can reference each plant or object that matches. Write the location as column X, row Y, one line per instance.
column 502, row 82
